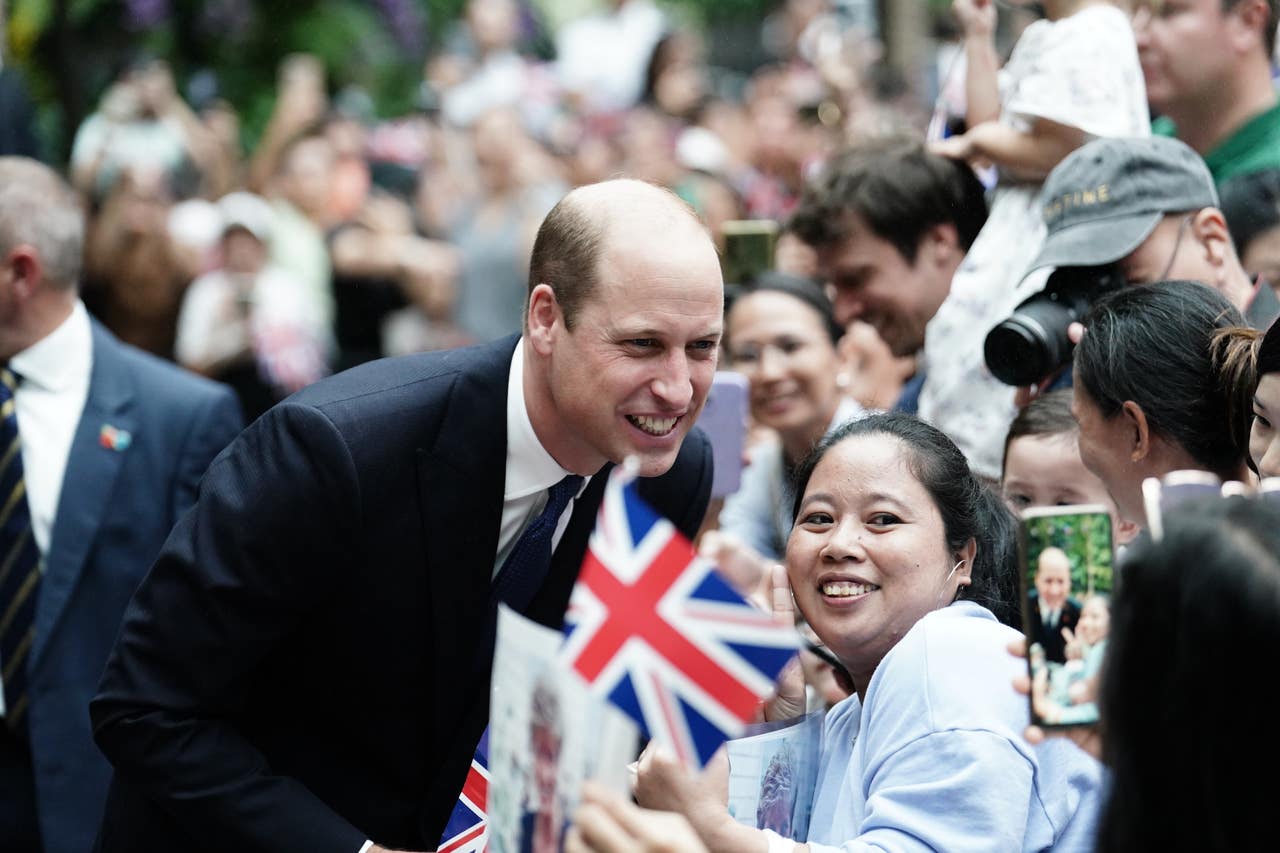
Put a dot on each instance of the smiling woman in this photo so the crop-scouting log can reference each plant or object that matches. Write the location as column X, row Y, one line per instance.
column 900, row 561
column 781, row 335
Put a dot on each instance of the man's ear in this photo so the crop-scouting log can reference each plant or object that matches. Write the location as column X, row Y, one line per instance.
column 544, row 318
column 1250, row 30
column 940, row 243
column 1210, row 229
column 26, row 269
column 1138, row 431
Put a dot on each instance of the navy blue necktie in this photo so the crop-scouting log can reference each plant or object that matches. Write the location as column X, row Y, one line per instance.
column 527, row 565
column 19, row 563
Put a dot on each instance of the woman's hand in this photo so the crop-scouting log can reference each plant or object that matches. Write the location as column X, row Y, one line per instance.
column 788, row 700
column 608, row 823
column 1087, row 738
column 664, row 783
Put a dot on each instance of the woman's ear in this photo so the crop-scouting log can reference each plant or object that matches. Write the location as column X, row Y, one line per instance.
column 1138, row 431
column 964, row 573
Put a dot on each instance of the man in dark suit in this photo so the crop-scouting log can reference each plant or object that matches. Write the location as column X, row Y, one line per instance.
column 1052, row 608
column 306, row 667
column 113, row 443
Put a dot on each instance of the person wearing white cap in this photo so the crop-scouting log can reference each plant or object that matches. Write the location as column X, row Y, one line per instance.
column 249, row 323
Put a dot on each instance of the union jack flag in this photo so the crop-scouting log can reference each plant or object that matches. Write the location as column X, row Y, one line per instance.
column 468, row 828
column 655, row 629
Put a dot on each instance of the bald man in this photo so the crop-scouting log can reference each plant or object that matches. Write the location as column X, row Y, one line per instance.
column 306, row 668
column 1052, row 608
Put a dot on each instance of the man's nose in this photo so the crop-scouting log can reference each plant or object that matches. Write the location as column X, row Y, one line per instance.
column 673, row 384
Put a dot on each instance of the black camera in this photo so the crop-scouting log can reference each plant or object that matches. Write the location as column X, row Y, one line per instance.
column 1032, row 343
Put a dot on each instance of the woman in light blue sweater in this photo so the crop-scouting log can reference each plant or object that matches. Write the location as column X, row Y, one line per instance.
column 904, row 565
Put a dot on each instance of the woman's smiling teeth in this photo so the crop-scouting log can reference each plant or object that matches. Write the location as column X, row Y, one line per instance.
column 845, row 589
column 653, row 426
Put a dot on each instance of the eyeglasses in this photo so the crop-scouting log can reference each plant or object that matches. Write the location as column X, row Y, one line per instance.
column 1177, row 244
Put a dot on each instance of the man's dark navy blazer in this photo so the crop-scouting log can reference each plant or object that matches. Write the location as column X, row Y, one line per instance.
column 299, row 670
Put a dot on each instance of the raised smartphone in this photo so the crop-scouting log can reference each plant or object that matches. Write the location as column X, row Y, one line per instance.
column 748, row 249
column 724, row 420
column 1068, row 565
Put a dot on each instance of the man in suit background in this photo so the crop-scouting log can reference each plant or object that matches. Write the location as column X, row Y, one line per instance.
column 113, row 443
column 1052, row 607
column 306, row 667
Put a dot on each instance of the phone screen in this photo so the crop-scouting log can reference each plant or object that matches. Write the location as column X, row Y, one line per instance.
column 724, row 420
column 1068, row 572
column 748, row 249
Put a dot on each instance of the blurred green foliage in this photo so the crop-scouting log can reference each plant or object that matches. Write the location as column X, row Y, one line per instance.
column 70, row 50
column 1086, row 539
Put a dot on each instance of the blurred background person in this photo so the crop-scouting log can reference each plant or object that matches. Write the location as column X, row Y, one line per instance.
column 248, row 323
column 1208, row 71
column 1264, row 449
column 1251, row 206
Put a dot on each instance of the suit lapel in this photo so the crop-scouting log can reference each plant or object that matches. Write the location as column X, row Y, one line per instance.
column 461, row 476
column 87, row 485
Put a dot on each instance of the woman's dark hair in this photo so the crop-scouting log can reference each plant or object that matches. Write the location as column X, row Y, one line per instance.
column 1188, row 696
column 1048, row 414
column 1269, row 351
column 1182, row 352
column 806, row 290
column 969, row 509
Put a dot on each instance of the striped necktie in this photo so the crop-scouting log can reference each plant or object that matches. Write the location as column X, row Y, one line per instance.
column 20, row 569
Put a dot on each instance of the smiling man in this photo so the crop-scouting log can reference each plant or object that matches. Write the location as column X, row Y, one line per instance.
column 307, row 666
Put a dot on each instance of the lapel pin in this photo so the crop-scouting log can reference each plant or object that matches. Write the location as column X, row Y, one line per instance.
column 114, row 439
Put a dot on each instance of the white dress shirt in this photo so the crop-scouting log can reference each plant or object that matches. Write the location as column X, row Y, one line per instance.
column 49, row 400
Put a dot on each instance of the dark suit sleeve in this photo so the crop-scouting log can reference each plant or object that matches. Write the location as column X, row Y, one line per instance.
column 274, row 524
column 213, row 426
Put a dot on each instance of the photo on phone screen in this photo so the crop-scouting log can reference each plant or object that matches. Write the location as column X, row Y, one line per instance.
column 1068, row 571
column 724, row 420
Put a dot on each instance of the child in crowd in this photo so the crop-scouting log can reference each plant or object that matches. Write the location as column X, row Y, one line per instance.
column 1042, row 465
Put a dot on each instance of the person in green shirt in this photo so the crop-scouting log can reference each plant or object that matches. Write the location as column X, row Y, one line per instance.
column 1207, row 66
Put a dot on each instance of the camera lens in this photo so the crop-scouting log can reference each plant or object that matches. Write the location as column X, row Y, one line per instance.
column 1031, row 344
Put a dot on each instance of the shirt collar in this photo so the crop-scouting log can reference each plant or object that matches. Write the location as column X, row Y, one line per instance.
column 530, row 468
column 61, row 357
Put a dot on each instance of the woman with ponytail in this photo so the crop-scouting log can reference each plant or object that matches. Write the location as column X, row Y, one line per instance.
column 1164, row 376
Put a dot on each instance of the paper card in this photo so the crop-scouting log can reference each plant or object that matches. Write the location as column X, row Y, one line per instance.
column 773, row 773
column 547, row 734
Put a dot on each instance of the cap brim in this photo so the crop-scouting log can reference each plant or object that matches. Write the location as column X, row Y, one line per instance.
column 1096, row 242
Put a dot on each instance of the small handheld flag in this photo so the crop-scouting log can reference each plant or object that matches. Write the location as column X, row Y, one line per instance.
column 468, row 828
column 655, row 629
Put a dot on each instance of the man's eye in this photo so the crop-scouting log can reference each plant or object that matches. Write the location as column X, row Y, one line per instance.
column 703, row 346
column 642, row 343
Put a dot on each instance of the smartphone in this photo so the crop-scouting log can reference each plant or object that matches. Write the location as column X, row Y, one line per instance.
column 748, row 249
column 1068, row 562
column 724, row 420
